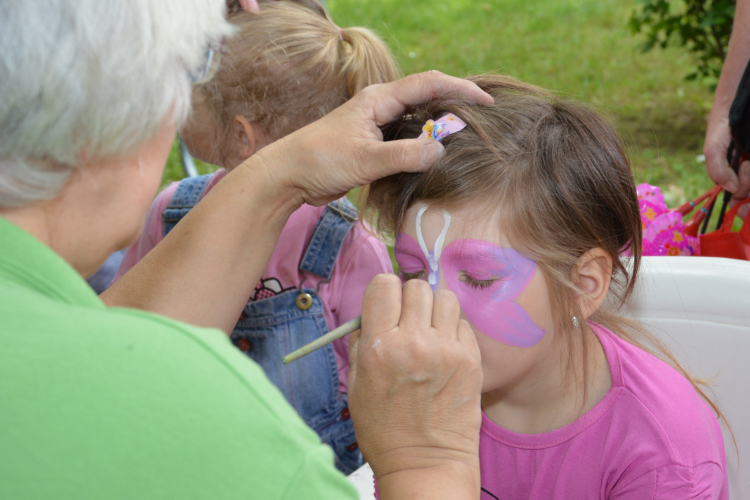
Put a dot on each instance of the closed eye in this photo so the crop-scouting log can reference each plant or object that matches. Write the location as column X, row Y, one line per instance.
column 419, row 275
column 464, row 277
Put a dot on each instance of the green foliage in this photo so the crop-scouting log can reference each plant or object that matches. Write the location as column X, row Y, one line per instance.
column 174, row 171
column 701, row 26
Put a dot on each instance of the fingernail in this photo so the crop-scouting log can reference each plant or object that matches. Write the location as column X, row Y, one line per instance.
column 249, row 6
column 431, row 152
column 731, row 186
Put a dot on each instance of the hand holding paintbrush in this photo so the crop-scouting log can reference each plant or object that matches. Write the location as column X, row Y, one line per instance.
column 415, row 379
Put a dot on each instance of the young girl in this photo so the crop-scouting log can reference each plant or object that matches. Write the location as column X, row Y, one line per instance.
column 524, row 218
column 286, row 67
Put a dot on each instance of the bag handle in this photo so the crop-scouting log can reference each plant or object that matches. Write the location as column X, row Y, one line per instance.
column 726, row 227
column 691, row 228
column 690, row 206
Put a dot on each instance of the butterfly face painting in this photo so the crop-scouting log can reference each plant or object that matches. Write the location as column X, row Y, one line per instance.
column 486, row 278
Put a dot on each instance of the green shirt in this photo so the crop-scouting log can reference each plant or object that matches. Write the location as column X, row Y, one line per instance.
column 100, row 402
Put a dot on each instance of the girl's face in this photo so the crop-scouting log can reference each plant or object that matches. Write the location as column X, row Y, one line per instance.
column 501, row 292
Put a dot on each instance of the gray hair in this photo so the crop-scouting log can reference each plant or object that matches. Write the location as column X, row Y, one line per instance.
column 92, row 79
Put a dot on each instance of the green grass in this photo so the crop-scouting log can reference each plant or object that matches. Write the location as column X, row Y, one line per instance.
column 580, row 48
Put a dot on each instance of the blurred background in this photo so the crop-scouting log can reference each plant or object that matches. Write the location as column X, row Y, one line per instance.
column 650, row 64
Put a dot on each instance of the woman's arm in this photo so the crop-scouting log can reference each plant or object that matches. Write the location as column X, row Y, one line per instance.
column 204, row 270
column 717, row 133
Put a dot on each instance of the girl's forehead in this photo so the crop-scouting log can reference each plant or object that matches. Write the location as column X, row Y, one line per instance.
column 474, row 223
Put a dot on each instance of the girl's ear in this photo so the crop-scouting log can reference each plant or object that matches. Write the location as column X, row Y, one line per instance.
column 245, row 138
column 591, row 275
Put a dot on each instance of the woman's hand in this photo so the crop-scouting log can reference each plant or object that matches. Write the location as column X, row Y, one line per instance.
column 718, row 137
column 323, row 161
column 414, row 391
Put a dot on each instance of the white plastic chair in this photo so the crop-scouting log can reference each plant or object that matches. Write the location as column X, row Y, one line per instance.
column 700, row 307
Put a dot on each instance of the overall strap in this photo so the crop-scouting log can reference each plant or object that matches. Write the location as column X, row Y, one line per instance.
column 187, row 194
column 328, row 236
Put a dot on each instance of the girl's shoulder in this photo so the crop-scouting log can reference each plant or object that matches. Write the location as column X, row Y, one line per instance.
column 302, row 223
column 641, row 372
column 656, row 402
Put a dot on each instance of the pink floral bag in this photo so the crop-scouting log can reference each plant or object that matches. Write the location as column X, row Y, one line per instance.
column 664, row 232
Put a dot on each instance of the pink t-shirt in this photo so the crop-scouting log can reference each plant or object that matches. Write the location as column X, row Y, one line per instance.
column 650, row 437
column 362, row 257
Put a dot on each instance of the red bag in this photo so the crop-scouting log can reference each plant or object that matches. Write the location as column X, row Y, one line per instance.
column 726, row 243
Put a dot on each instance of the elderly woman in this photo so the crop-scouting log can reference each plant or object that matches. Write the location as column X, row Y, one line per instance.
column 108, row 402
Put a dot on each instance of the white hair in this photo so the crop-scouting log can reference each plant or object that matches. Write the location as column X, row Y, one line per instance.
column 92, row 79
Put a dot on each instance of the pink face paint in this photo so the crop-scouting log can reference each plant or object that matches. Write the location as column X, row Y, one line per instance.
column 409, row 255
column 487, row 279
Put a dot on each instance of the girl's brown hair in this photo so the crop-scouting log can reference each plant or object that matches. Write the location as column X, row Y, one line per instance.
column 560, row 177
column 289, row 65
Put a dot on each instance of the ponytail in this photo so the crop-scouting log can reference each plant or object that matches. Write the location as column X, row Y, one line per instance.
column 290, row 65
column 367, row 60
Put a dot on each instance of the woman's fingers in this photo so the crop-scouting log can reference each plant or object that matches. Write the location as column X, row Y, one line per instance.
column 469, row 341
column 744, row 179
column 388, row 101
column 381, row 305
column 718, row 137
column 416, row 310
column 409, row 155
column 353, row 350
column 743, row 191
column 250, row 6
column 446, row 313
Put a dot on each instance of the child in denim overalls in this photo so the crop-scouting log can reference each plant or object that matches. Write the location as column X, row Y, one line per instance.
column 286, row 67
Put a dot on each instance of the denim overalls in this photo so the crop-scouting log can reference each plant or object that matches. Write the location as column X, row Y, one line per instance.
column 273, row 327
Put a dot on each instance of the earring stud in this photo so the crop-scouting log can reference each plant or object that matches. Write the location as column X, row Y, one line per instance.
column 576, row 323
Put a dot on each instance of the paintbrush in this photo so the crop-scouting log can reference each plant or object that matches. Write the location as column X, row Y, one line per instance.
column 326, row 339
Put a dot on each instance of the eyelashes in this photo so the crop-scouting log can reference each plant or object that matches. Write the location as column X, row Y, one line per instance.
column 419, row 275
column 463, row 277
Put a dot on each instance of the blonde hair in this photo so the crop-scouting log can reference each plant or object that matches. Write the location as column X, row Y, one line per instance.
column 558, row 172
column 290, row 65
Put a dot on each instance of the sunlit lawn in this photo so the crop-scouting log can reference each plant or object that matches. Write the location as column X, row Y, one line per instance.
column 581, row 48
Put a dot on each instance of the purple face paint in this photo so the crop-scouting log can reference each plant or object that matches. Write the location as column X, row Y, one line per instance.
column 487, row 279
column 410, row 258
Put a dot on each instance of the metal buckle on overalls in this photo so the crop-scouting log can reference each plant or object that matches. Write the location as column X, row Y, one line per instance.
column 305, row 300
